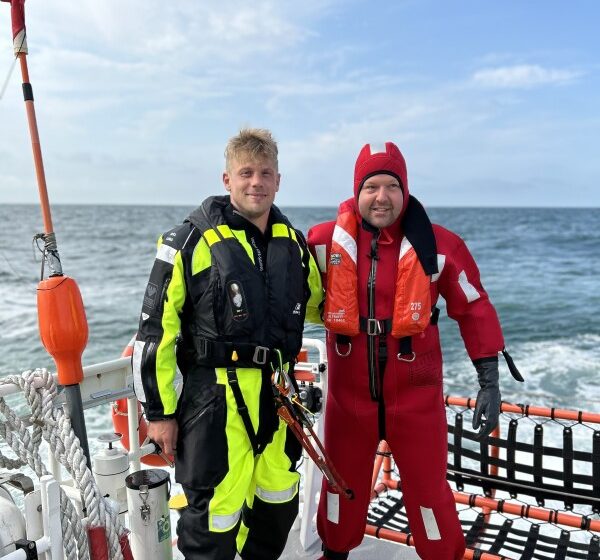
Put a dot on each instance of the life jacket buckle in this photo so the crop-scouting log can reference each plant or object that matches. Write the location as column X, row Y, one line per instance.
column 373, row 327
column 340, row 354
column 261, row 353
column 401, row 357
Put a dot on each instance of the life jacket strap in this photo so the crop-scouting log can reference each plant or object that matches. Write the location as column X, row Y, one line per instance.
column 405, row 351
column 243, row 410
column 238, row 354
column 343, row 345
column 374, row 327
column 435, row 315
column 383, row 326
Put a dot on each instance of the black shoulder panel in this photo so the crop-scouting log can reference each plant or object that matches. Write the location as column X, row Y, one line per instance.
column 210, row 213
column 178, row 236
column 419, row 231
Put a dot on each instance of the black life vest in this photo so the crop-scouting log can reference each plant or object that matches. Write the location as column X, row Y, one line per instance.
column 243, row 306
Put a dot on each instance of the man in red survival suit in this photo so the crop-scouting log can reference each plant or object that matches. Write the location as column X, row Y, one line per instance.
column 384, row 265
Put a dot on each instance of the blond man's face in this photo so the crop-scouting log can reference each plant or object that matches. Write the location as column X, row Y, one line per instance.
column 252, row 186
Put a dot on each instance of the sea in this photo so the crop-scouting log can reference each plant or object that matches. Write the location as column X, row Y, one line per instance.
column 540, row 266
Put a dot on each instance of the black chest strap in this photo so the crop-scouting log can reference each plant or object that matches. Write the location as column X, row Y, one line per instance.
column 375, row 327
column 213, row 353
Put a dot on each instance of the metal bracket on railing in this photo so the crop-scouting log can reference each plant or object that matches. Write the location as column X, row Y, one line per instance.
column 18, row 481
column 29, row 547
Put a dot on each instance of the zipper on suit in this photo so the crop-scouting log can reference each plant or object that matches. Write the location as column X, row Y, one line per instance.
column 371, row 353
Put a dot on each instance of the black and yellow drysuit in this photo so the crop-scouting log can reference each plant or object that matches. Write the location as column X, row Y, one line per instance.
column 223, row 302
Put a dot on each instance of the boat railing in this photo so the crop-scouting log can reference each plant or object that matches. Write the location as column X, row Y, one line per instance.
column 107, row 382
column 533, row 486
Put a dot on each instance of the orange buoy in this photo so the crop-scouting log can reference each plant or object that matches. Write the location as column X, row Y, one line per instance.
column 63, row 326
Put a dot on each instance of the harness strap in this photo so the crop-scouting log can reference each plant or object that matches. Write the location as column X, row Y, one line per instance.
column 375, row 326
column 233, row 354
column 405, row 346
column 435, row 315
column 382, row 327
column 243, row 409
column 343, row 339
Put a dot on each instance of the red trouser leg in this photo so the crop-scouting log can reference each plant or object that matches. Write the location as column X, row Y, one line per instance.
column 351, row 442
column 417, row 435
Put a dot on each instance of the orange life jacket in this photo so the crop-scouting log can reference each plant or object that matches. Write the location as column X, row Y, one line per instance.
column 412, row 298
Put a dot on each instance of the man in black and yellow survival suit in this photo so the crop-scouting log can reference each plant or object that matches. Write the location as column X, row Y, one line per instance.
column 228, row 294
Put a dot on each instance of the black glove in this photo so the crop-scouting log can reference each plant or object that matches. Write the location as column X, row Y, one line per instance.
column 488, row 397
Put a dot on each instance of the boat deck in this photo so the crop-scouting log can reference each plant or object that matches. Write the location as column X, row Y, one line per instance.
column 370, row 549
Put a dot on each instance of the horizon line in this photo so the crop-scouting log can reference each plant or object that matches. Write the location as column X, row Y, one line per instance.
column 175, row 205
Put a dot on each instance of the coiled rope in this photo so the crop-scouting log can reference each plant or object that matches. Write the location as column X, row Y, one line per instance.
column 52, row 424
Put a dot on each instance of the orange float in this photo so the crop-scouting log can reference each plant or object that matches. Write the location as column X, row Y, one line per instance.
column 63, row 326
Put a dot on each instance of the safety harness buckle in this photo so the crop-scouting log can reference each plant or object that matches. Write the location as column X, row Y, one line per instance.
column 261, row 353
column 374, row 327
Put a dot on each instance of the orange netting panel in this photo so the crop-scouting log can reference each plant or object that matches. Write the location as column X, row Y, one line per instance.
column 532, row 491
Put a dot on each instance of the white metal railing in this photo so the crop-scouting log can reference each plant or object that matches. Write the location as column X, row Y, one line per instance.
column 107, row 382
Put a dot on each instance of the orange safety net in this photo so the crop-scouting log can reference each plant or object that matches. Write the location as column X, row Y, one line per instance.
column 531, row 491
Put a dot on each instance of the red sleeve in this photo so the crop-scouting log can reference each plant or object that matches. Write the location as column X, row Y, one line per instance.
column 467, row 301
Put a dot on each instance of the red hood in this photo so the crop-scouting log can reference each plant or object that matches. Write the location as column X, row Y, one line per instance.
column 386, row 159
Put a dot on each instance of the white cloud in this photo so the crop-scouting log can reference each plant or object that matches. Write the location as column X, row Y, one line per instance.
column 523, row 76
column 182, row 29
column 137, row 98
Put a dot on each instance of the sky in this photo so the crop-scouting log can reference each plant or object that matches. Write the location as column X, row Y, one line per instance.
column 493, row 103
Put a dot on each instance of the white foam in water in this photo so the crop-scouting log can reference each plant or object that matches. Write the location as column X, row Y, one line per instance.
column 560, row 370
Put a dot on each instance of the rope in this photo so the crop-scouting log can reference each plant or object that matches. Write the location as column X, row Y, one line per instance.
column 52, row 424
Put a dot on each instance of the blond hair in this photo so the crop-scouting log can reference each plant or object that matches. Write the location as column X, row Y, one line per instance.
column 252, row 144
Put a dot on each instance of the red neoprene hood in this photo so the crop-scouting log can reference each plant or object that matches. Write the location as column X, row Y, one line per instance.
column 373, row 160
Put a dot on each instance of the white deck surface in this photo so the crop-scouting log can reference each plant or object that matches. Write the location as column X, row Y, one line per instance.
column 370, row 549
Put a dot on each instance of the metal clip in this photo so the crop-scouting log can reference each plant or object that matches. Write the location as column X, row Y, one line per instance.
column 144, row 508
column 260, row 355
column 373, row 327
